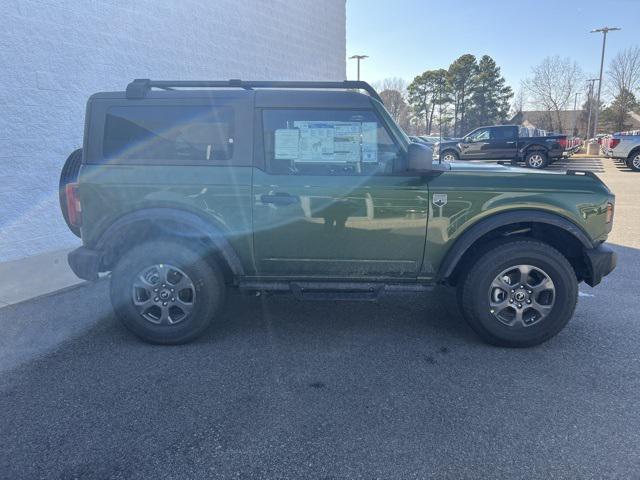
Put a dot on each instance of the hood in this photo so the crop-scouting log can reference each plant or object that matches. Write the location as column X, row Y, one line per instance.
column 465, row 166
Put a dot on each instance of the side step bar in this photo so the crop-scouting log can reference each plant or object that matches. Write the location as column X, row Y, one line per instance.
column 351, row 291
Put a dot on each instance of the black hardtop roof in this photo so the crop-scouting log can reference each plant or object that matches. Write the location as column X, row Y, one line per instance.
column 141, row 87
column 266, row 94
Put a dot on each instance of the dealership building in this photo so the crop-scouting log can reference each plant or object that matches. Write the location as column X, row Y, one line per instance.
column 54, row 54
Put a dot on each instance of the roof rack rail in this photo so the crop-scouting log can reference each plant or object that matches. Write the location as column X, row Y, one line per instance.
column 141, row 86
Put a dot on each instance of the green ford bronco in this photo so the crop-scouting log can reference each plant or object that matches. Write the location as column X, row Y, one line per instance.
column 185, row 190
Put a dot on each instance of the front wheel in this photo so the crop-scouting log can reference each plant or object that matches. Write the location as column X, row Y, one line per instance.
column 518, row 293
column 537, row 160
column 450, row 156
column 165, row 292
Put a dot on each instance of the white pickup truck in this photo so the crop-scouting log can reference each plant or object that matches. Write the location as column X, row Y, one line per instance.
column 625, row 146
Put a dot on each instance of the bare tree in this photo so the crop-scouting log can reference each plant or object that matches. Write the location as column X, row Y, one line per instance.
column 624, row 71
column 519, row 102
column 552, row 86
column 392, row 83
column 396, row 105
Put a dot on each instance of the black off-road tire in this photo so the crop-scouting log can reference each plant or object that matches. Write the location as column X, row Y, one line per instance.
column 69, row 174
column 206, row 278
column 536, row 159
column 474, row 291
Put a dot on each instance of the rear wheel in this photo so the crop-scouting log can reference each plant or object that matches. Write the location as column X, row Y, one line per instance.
column 536, row 160
column 518, row 293
column 633, row 162
column 166, row 293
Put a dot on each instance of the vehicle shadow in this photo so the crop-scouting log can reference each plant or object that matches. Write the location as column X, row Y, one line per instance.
column 343, row 377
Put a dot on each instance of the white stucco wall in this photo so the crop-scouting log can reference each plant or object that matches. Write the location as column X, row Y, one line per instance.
column 55, row 53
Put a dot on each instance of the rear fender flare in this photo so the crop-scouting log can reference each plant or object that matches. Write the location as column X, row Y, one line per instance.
column 190, row 225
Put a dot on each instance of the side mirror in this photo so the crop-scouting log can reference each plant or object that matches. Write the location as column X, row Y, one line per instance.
column 466, row 140
column 420, row 157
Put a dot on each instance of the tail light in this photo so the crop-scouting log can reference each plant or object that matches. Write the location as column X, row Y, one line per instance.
column 613, row 143
column 609, row 215
column 74, row 209
column 563, row 142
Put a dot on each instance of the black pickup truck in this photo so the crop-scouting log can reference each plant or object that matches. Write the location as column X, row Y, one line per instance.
column 503, row 142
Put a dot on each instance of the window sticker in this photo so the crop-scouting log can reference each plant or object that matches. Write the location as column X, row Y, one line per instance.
column 317, row 141
column 328, row 142
column 369, row 142
column 287, row 144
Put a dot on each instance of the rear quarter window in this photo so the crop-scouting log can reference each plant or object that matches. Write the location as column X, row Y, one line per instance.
column 179, row 135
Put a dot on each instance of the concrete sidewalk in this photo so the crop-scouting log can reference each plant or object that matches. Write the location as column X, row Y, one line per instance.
column 34, row 276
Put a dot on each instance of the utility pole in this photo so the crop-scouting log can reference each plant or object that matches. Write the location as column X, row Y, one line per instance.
column 591, row 81
column 575, row 114
column 604, row 31
column 358, row 58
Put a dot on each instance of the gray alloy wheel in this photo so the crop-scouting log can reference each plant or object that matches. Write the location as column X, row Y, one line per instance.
column 449, row 156
column 536, row 160
column 521, row 296
column 635, row 162
column 163, row 294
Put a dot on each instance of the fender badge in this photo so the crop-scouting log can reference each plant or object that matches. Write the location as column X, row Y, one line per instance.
column 440, row 199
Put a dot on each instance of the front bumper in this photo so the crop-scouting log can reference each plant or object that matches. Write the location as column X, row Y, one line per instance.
column 85, row 263
column 600, row 262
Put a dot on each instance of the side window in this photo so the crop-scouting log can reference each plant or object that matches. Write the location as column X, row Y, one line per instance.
column 327, row 142
column 166, row 134
column 499, row 133
column 480, row 135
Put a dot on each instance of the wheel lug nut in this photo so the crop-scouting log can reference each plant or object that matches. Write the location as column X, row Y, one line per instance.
column 511, row 300
column 512, row 290
column 521, row 286
column 173, row 299
column 164, row 304
column 156, row 299
column 155, row 289
column 519, row 305
column 529, row 292
column 528, row 301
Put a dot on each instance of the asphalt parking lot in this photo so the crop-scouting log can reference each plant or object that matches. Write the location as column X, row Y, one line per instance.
column 281, row 388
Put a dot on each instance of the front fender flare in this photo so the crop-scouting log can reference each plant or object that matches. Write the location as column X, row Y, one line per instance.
column 482, row 227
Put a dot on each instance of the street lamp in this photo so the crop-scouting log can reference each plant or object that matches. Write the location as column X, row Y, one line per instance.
column 604, row 31
column 358, row 58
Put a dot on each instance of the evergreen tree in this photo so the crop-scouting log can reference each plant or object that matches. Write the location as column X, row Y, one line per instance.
column 490, row 97
column 461, row 76
column 616, row 116
column 427, row 91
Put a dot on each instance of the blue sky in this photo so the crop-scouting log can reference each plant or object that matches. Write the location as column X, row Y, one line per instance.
column 406, row 37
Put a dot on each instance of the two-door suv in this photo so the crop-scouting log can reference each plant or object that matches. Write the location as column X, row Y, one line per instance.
column 184, row 190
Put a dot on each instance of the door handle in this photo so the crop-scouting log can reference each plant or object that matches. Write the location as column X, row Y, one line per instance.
column 511, row 143
column 279, row 198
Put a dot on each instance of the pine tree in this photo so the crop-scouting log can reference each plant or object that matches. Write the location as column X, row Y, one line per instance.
column 616, row 116
column 461, row 77
column 427, row 91
column 490, row 97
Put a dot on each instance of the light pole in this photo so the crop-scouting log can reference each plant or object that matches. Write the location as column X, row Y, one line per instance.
column 358, row 58
column 604, row 31
column 589, row 103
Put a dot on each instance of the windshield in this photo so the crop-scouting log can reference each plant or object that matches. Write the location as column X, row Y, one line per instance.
column 393, row 126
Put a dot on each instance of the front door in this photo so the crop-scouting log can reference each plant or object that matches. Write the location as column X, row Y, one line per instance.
column 476, row 145
column 329, row 202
